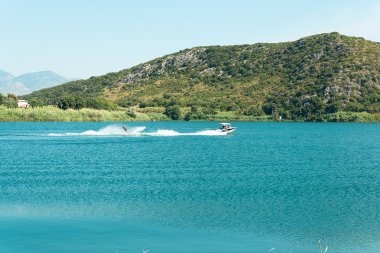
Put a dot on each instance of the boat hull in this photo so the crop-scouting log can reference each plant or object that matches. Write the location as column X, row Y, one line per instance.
column 228, row 131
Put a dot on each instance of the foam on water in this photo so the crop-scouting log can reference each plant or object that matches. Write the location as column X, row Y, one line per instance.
column 118, row 130
column 210, row 132
column 105, row 131
column 164, row 132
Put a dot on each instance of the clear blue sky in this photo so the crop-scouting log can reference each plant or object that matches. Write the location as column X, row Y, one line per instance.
column 81, row 38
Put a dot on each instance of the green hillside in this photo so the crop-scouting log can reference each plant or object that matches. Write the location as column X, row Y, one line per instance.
column 305, row 79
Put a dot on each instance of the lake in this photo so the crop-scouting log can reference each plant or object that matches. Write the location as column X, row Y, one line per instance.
column 182, row 187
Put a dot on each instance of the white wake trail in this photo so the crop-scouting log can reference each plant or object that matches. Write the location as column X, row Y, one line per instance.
column 164, row 132
column 117, row 130
column 105, row 131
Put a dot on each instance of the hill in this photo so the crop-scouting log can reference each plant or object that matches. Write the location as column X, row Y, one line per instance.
column 27, row 83
column 304, row 79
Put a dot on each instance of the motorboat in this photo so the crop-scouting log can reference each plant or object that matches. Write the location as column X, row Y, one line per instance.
column 226, row 128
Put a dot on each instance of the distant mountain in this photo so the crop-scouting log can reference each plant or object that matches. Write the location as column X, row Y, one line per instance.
column 28, row 83
column 303, row 79
column 5, row 77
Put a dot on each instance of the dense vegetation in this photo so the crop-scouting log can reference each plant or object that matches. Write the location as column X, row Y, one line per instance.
column 9, row 101
column 313, row 79
column 52, row 113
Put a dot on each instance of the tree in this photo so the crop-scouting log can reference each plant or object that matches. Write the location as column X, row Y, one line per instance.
column 78, row 103
column 10, row 101
column 188, row 116
column 34, row 102
column 64, row 103
column 268, row 108
column 332, row 107
column 12, row 96
column 99, row 103
column 254, row 111
column 354, row 107
column 173, row 112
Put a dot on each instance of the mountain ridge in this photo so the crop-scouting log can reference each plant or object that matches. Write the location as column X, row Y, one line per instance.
column 5, row 76
column 314, row 75
column 28, row 82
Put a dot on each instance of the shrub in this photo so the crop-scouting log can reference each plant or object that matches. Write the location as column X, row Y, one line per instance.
column 131, row 113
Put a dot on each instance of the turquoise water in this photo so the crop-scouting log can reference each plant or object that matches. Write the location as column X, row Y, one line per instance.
column 181, row 187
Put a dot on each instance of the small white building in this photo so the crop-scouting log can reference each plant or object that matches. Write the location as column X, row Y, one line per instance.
column 22, row 104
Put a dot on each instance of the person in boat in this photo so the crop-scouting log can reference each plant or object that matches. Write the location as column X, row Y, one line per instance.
column 125, row 128
column 226, row 127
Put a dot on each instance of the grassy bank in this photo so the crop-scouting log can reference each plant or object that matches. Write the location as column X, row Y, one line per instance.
column 50, row 113
column 54, row 114
column 351, row 117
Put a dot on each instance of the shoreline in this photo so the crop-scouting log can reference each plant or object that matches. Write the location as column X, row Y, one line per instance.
column 54, row 114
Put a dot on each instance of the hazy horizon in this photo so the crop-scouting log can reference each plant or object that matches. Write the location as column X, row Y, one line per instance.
column 79, row 39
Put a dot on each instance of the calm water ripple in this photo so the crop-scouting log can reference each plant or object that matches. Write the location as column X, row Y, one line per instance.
column 288, row 184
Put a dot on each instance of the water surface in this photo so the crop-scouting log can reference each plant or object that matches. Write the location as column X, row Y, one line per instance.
column 180, row 187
